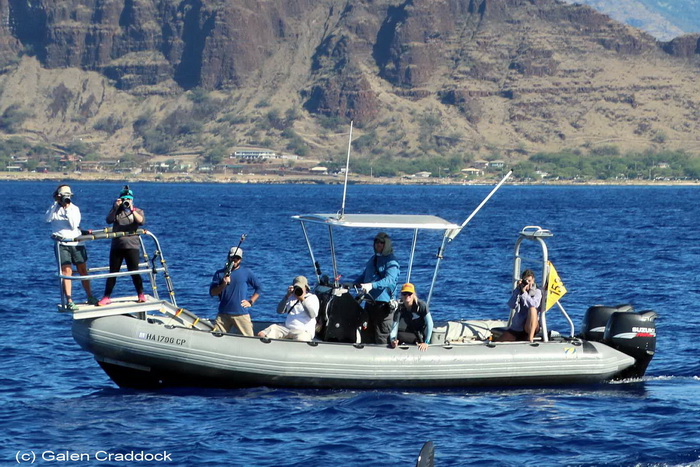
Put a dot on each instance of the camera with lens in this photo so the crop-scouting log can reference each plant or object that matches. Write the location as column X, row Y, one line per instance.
column 298, row 291
column 64, row 199
column 126, row 203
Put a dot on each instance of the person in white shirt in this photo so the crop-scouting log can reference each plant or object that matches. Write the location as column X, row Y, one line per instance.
column 301, row 308
column 64, row 217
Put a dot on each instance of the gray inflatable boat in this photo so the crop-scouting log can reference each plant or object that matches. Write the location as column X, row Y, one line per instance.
column 149, row 352
column 159, row 344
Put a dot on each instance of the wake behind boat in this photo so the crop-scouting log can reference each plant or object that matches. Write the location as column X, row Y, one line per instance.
column 158, row 343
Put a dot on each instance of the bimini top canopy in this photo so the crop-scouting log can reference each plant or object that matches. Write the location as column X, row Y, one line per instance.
column 380, row 221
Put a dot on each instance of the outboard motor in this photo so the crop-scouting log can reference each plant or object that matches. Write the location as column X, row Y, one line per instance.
column 635, row 335
column 596, row 318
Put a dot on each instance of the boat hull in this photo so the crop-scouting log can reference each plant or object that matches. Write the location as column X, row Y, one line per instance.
column 146, row 353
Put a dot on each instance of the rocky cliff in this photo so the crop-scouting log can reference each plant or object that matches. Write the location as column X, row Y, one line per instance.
column 507, row 76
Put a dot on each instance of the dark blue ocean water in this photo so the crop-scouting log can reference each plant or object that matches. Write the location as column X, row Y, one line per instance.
column 612, row 245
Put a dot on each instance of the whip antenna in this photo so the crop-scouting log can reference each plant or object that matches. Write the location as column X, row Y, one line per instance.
column 347, row 170
column 456, row 232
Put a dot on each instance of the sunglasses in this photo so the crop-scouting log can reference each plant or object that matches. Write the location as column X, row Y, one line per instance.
column 406, row 293
column 379, row 241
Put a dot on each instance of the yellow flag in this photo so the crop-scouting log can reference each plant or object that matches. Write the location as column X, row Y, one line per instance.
column 555, row 287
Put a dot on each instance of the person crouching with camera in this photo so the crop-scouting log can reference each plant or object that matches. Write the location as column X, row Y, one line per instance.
column 525, row 301
column 124, row 217
column 301, row 308
column 64, row 217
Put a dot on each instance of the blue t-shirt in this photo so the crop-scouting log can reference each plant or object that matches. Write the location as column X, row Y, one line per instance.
column 236, row 291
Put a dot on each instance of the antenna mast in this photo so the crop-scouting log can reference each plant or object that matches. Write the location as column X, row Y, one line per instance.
column 347, row 170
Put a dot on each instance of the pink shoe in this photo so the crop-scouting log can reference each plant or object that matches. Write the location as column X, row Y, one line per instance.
column 142, row 298
column 104, row 301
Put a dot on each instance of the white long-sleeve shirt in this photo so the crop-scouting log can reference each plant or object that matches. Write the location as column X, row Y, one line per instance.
column 64, row 221
column 301, row 314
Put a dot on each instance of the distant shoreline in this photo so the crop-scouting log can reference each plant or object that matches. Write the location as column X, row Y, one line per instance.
column 307, row 179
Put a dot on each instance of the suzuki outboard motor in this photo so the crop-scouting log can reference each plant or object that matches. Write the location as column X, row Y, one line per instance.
column 635, row 335
column 596, row 318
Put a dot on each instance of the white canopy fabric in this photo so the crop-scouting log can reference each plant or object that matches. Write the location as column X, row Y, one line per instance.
column 380, row 221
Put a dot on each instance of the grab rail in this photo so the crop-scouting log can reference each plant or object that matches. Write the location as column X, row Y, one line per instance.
column 144, row 267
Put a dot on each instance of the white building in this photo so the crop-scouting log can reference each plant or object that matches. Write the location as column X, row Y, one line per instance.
column 472, row 172
column 253, row 156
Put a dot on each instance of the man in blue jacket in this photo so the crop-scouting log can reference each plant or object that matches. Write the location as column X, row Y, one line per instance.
column 232, row 290
column 379, row 280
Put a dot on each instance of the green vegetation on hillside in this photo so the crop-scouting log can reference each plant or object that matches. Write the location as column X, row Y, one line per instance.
column 608, row 165
column 598, row 164
column 15, row 149
column 604, row 164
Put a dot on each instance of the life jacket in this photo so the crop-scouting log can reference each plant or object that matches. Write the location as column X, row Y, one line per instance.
column 411, row 324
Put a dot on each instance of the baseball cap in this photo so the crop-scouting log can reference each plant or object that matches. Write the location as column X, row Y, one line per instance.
column 300, row 281
column 236, row 251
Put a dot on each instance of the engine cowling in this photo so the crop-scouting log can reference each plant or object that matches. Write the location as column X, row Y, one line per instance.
column 596, row 318
column 635, row 335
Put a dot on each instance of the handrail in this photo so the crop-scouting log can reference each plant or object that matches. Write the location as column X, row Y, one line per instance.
column 106, row 268
column 102, row 234
column 538, row 235
column 108, row 274
column 144, row 267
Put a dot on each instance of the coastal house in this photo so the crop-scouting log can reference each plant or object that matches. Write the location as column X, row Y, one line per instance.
column 253, row 155
column 472, row 172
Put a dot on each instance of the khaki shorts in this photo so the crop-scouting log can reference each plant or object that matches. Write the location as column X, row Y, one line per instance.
column 72, row 254
column 243, row 323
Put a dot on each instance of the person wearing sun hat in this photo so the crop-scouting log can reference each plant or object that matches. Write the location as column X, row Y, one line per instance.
column 232, row 287
column 124, row 217
column 413, row 323
column 65, row 218
column 301, row 307
column 379, row 280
